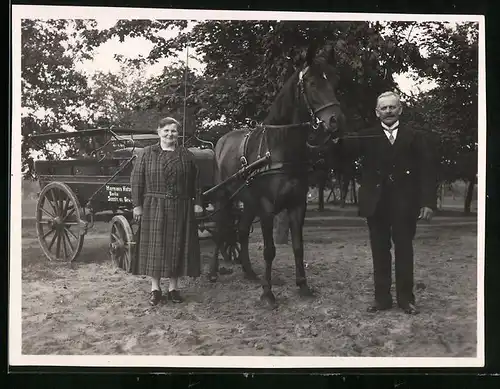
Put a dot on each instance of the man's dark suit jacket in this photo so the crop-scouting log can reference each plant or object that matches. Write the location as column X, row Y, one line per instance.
column 408, row 167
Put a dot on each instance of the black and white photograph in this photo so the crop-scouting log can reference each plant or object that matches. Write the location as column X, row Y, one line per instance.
column 246, row 189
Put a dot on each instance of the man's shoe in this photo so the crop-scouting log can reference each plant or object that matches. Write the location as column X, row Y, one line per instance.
column 409, row 309
column 379, row 307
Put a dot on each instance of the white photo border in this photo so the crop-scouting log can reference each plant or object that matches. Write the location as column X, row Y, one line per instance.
column 16, row 358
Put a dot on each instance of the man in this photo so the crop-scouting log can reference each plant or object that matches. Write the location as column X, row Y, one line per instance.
column 398, row 187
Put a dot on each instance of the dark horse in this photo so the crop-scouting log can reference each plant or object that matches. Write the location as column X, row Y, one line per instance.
column 305, row 115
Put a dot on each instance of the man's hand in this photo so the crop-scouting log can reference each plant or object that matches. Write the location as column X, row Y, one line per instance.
column 198, row 209
column 137, row 212
column 425, row 213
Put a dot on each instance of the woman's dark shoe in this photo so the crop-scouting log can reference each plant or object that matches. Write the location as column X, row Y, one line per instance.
column 174, row 296
column 155, row 297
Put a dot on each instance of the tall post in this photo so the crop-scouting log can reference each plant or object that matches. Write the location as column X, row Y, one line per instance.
column 185, row 97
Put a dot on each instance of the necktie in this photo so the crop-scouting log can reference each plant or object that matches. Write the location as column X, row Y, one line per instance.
column 391, row 138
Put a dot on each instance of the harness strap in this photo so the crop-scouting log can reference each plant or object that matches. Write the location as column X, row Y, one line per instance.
column 243, row 149
column 274, row 168
column 261, row 141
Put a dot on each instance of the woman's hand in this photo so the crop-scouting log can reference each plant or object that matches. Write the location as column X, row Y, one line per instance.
column 198, row 209
column 137, row 212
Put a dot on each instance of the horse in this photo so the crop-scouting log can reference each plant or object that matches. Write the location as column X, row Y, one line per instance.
column 304, row 116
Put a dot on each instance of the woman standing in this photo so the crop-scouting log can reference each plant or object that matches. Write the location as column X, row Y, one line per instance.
column 164, row 190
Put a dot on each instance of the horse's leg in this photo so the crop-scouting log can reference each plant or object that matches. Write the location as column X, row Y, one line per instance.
column 321, row 192
column 269, row 254
column 243, row 236
column 214, row 261
column 296, row 216
column 220, row 224
column 344, row 190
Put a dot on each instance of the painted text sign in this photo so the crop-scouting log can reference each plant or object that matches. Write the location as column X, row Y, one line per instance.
column 119, row 193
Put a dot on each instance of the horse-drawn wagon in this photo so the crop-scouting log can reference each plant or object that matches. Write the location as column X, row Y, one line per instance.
column 95, row 186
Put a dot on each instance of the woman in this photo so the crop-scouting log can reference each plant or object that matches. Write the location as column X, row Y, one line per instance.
column 164, row 190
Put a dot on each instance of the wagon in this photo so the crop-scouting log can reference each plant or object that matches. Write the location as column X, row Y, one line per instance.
column 94, row 185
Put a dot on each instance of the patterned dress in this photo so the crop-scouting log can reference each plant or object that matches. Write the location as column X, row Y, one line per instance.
column 165, row 184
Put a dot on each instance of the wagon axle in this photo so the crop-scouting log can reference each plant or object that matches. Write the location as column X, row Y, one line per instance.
column 56, row 222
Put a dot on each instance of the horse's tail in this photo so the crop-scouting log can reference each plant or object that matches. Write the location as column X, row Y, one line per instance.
column 225, row 219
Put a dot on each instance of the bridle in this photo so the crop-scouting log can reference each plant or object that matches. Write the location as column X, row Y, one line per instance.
column 315, row 122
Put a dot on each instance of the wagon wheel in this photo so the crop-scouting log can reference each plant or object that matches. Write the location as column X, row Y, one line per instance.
column 122, row 243
column 59, row 226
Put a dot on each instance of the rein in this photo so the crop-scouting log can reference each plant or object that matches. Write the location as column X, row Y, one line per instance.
column 349, row 136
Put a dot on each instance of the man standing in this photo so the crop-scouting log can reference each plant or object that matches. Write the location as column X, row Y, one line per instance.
column 398, row 187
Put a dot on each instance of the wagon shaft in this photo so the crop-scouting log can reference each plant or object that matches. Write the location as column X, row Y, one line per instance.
column 243, row 172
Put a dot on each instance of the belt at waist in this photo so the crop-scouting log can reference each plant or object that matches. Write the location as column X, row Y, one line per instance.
column 167, row 195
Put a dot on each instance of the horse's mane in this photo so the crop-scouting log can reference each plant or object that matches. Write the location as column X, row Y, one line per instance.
column 281, row 109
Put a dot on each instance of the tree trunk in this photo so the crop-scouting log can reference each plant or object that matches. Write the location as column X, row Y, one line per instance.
column 442, row 193
column 468, row 196
column 282, row 228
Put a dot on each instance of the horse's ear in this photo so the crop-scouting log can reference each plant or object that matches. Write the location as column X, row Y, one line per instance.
column 311, row 53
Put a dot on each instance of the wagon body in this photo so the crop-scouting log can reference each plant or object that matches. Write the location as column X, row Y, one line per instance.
column 107, row 182
column 76, row 192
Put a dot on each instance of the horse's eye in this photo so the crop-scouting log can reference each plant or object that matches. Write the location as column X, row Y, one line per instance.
column 324, row 76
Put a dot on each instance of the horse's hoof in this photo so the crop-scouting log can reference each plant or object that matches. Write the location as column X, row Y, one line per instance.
column 212, row 278
column 269, row 299
column 251, row 276
column 306, row 291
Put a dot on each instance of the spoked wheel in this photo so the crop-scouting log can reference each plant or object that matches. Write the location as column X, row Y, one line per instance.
column 122, row 243
column 59, row 222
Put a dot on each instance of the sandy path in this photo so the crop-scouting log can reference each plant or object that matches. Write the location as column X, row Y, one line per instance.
column 97, row 309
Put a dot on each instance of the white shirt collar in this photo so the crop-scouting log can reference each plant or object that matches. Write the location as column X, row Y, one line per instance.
column 391, row 128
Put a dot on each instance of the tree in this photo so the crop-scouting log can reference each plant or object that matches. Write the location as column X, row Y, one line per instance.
column 247, row 62
column 450, row 111
column 54, row 92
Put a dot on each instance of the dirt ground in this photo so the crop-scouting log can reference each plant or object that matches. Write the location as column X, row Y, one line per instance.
column 94, row 308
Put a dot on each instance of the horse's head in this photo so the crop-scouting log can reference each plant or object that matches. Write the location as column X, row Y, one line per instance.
column 316, row 83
